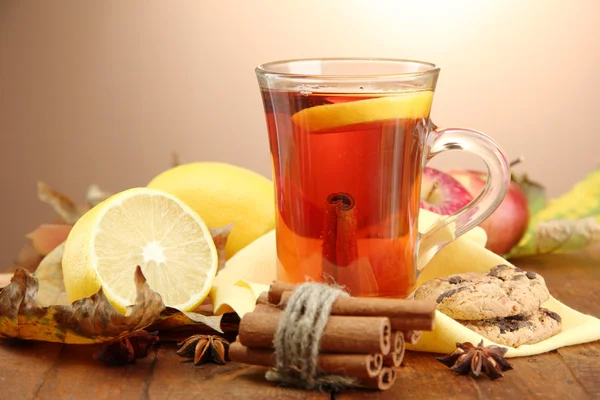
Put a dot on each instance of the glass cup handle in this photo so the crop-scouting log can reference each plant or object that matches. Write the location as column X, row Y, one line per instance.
column 452, row 226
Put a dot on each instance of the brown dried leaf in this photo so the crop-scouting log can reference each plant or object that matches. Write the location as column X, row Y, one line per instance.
column 47, row 237
column 220, row 236
column 37, row 307
column 127, row 349
column 89, row 320
column 212, row 321
column 63, row 205
column 172, row 319
column 175, row 161
column 28, row 258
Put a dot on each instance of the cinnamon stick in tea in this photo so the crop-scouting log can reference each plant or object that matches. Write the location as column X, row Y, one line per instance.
column 412, row 337
column 396, row 355
column 356, row 365
column 404, row 315
column 342, row 334
column 384, row 381
column 340, row 247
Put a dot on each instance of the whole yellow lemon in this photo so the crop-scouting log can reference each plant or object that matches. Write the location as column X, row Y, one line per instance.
column 221, row 194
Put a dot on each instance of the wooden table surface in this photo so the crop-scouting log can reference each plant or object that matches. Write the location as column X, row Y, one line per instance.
column 33, row 370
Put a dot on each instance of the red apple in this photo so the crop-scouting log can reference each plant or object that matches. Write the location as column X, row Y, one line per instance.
column 441, row 193
column 507, row 225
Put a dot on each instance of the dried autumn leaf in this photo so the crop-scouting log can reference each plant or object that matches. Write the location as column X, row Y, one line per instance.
column 127, row 349
column 564, row 236
column 172, row 319
column 86, row 321
column 212, row 321
column 28, row 258
column 176, row 326
column 51, row 285
column 95, row 195
column 175, row 161
column 47, row 237
column 63, row 205
column 220, row 236
column 581, row 202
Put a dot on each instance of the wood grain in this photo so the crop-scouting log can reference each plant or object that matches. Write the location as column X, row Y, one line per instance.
column 76, row 375
column 569, row 373
column 574, row 279
column 583, row 362
column 174, row 378
column 25, row 366
column 52, row 371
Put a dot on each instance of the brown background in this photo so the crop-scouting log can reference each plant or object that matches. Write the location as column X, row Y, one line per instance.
column 104, row 91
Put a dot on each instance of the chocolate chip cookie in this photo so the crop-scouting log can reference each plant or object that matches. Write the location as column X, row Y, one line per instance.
column 520, row 329
column 504, row 291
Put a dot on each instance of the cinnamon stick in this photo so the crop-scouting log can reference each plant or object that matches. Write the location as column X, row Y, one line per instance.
column 342, row 334
column 276, row 290
column 340, row 247
column 266, row 308
column 404, row 315
column 412, row 337
column 396, row 355
column 384, row 381
column 263, row 298
column 356, row 365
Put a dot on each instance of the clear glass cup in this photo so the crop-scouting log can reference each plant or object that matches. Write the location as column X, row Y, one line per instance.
column 349, row 139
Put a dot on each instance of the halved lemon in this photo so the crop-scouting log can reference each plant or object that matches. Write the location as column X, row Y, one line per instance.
column 329, row 116
column 144, row 227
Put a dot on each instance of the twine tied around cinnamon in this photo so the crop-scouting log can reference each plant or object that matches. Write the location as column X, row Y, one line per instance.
column 298, row 337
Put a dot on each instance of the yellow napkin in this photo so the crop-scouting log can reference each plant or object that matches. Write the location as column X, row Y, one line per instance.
column 245, row 276
column 252, row 269
column 465, row 255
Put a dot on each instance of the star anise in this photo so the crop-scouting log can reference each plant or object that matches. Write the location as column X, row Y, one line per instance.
column 477, row 360
column 127, row 349
column 204, row 348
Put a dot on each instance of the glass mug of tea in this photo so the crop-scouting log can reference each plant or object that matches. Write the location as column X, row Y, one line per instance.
column 349, row 139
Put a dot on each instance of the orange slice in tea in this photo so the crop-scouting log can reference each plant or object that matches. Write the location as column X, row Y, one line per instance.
column 328, row 116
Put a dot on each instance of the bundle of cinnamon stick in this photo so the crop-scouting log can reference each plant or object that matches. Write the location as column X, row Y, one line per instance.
column 364, row 337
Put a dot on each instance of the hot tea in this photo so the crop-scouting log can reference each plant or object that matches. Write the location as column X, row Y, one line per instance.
column 349, row 139
column 347, row 170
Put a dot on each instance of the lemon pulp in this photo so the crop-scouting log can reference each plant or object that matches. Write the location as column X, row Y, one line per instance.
column 144, row 227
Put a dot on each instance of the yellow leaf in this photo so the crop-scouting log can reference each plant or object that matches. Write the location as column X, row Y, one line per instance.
column 581, row 202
